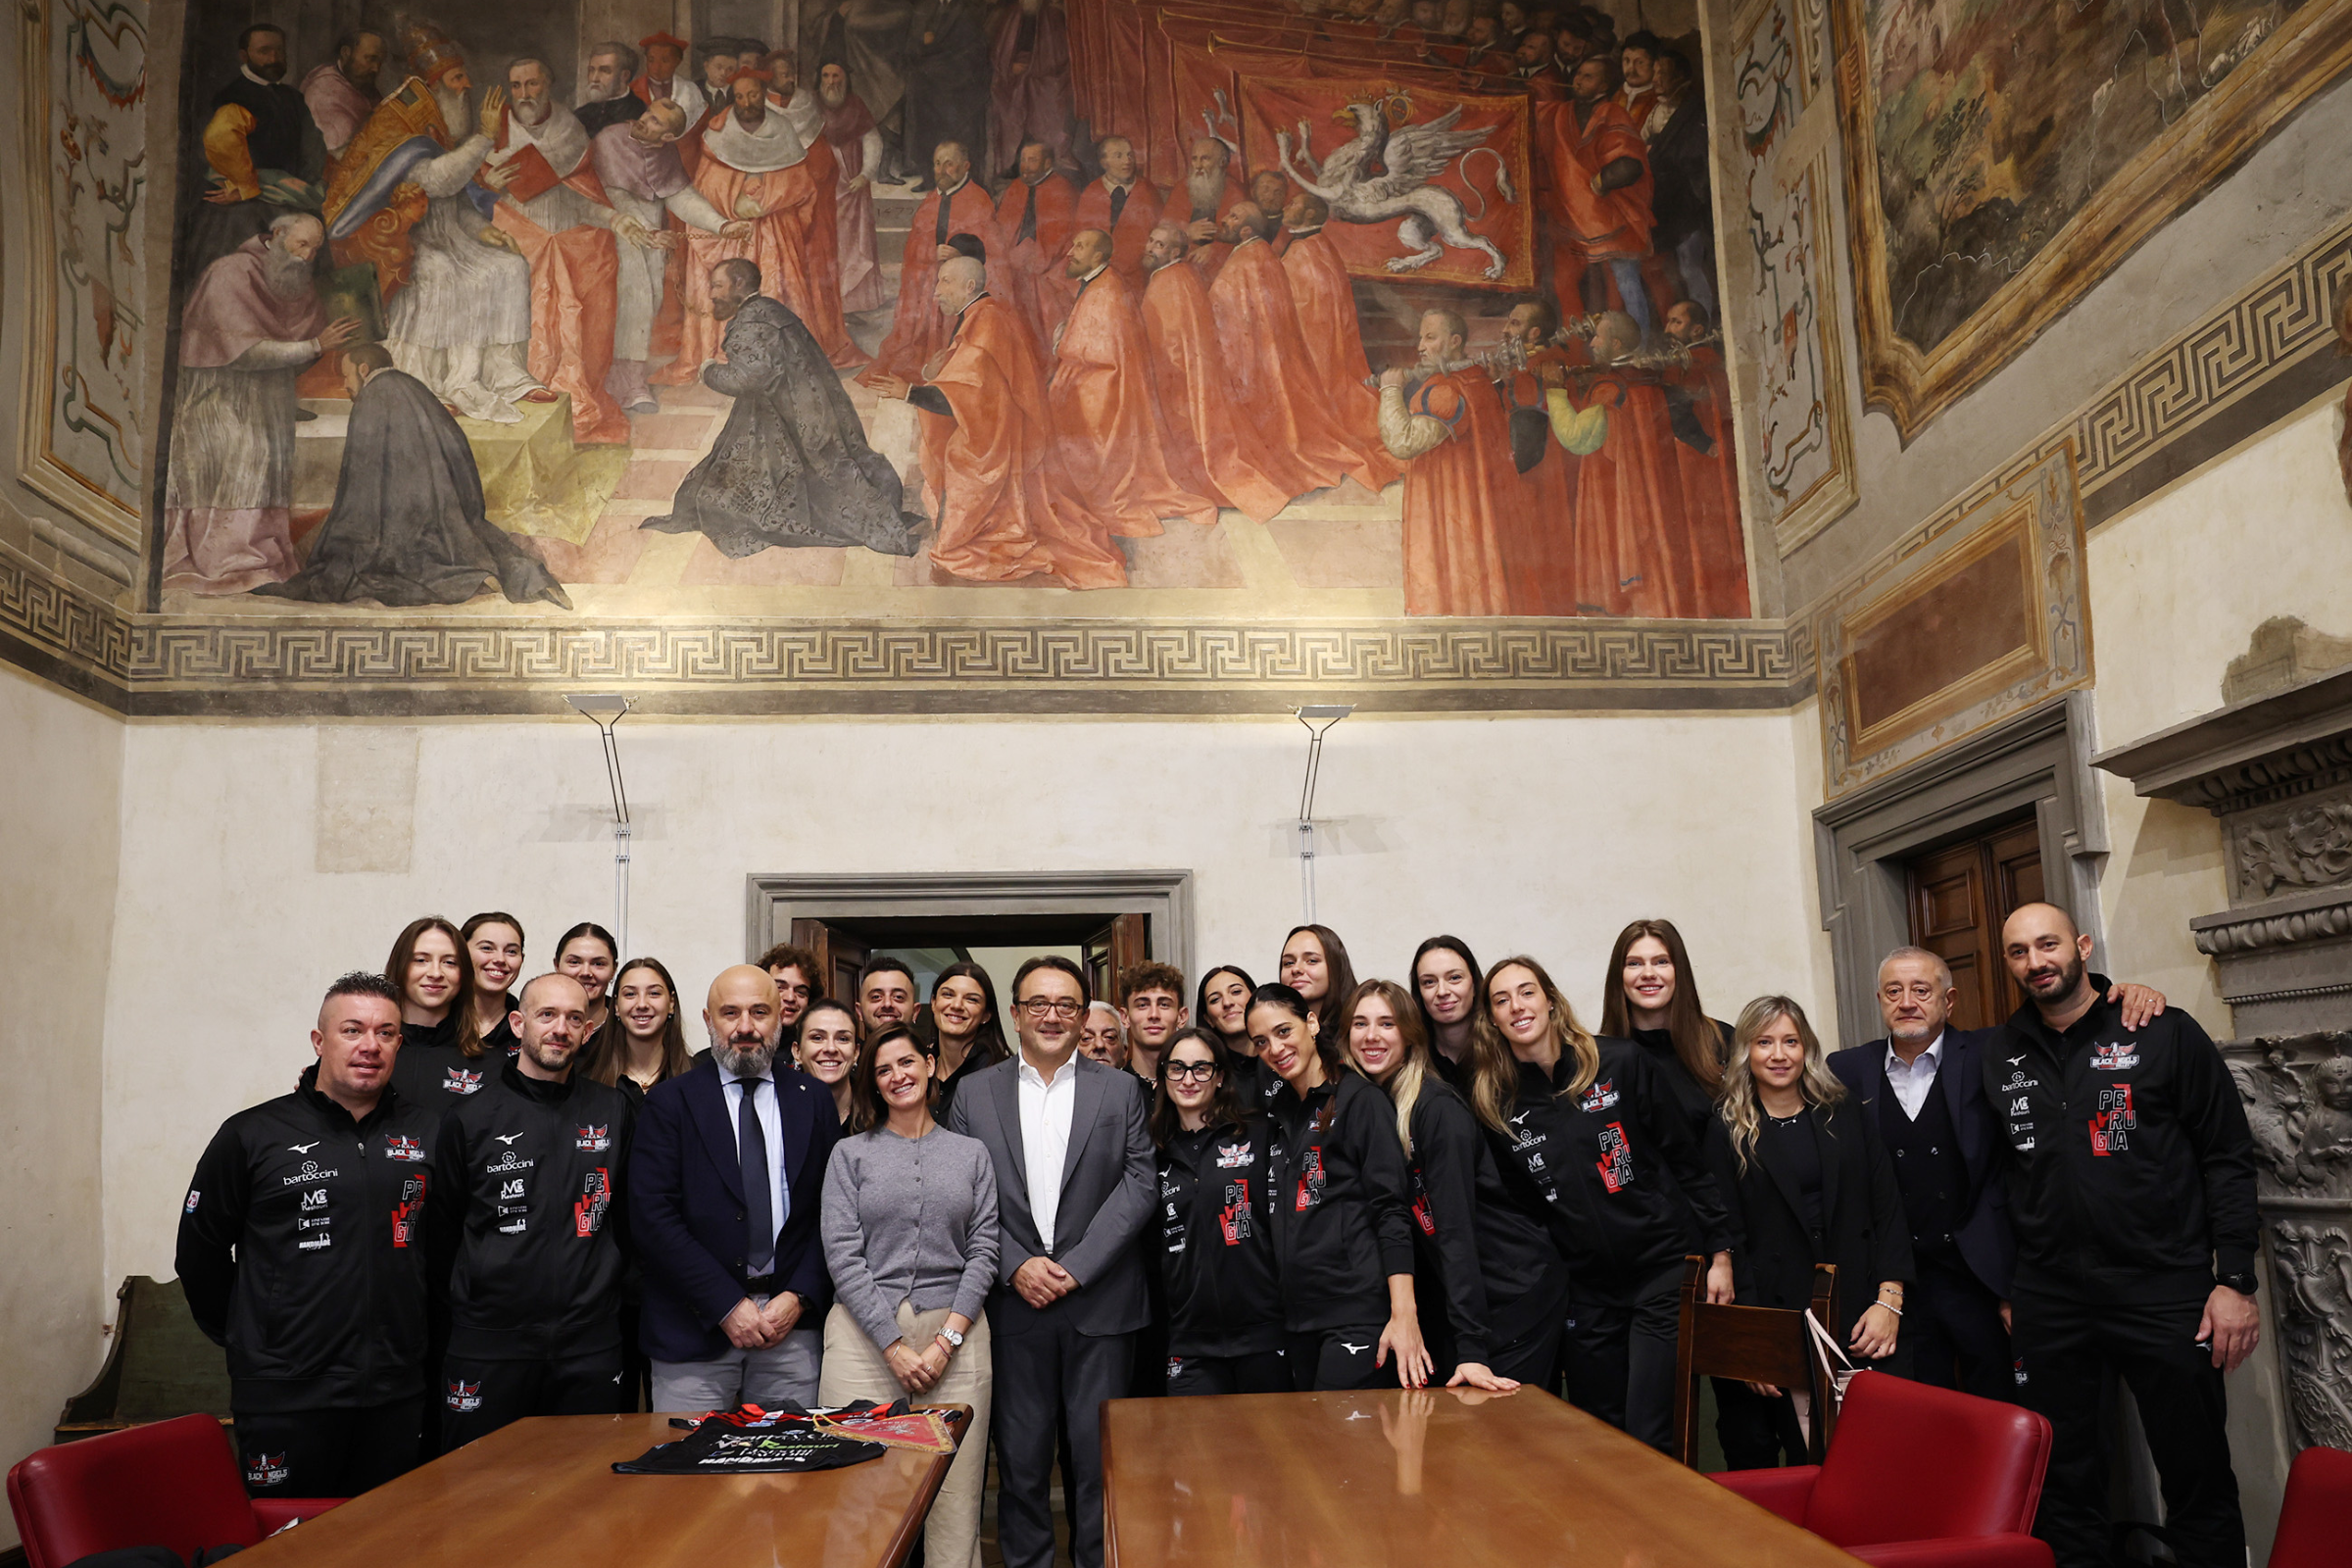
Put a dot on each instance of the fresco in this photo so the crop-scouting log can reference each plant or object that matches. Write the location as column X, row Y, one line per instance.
column 1107, row 308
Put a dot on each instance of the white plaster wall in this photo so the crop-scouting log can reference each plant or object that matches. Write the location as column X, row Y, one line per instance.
column 60, row 812
column 2178, row 586
column 1536, row 834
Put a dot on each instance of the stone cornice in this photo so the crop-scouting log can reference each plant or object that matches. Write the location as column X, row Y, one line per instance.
column 2247, row 752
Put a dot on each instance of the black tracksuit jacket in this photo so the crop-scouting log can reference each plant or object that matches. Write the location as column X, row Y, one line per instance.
column 1342, row 1217
column 1627, row 1192
column 303, row 1250
column 1217, row 1241
column 529, row 1220
column 1478, row 1229
column 2131, row 1166
column 431, row 1071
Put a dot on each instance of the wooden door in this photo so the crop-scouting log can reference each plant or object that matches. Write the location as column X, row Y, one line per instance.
column 1114, row 949
column 839, row 958
column 1960, row 895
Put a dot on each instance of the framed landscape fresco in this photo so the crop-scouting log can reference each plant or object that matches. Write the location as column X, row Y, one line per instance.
column 2002, row 158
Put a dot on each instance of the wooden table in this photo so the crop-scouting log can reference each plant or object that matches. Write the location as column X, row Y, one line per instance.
column 541, row 1493
column 1415, row 1480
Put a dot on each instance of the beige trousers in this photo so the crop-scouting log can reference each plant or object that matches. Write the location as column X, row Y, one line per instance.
column 854, row 1368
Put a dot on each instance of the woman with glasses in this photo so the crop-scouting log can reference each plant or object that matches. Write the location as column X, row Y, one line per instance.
column 1342, row 1221
column 1215, row 1235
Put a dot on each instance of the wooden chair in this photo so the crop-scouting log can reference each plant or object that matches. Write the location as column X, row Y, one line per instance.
column 1754, row 1345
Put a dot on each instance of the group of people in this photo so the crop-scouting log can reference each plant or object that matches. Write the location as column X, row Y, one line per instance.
column 492, row 1198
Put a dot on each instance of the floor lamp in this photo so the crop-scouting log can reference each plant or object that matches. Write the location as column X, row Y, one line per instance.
column 605, row 710
column 1318, row 719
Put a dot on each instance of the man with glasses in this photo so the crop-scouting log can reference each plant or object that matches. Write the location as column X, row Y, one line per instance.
column 1924, row 1085
column 1075, row 1183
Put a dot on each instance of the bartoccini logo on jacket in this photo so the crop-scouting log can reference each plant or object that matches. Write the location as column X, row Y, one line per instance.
column 309, row 1172
column 508, row 1161
column 463, row 1397
column 266, row 1470
column 2111, row 1127
column 1616, row 1163
column 2114, row 1059
column 460, row 1081
column 1601, row 1097
column 397, row 1146
column 592, row 1139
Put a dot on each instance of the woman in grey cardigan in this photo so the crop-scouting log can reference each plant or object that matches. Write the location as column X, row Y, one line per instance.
column 911, row 1238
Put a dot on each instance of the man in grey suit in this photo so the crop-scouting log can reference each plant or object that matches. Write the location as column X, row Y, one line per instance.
column 1074, row 1187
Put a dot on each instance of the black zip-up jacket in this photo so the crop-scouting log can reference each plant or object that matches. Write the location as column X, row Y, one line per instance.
column 2130, row 1165
column 1217, row 1241
column 1343, row 1218
column 302, row 1248
column 430, row 1070
column 1691, row 1097
column 1480, row 1235
column 529, row 1227
column 1626, row 1190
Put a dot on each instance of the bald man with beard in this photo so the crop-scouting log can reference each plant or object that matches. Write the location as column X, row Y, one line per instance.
column 726, row 1182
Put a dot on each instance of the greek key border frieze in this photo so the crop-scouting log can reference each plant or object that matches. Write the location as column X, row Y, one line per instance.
column 51, row 615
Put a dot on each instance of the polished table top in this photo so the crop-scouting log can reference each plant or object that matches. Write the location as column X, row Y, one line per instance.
column 1416, row 1479
column 542, row 1492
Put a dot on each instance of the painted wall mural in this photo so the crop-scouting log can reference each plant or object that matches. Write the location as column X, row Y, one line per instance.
column 85, row 444
column 1804, row 424
column 1256, row 313
column 2001, row 159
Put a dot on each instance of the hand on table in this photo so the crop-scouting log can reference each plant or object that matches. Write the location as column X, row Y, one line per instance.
column 1477, row 1375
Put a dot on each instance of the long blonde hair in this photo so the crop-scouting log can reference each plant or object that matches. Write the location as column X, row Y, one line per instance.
column 1741, row 1110
column 1494, row 1071
column 1404, row 1085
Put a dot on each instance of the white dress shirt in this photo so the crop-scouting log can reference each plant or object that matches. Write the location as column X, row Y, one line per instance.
column 772, row 1132
column 1911, row 1080
column 1046, row 1112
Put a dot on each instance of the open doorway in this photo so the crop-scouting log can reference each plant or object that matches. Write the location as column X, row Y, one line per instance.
column 1100, row 943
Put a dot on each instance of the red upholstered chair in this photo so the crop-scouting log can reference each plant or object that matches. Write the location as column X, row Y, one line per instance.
column 170, row 1483
column 2317, row 1518
column 1918, row 1477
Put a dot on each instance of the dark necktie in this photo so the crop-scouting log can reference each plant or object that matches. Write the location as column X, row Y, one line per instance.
column 941, row 232
column 758, row 1202
column 1028, row 217
column 1118, row 204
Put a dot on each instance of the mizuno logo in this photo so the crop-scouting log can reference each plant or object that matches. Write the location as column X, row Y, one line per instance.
column 507, row 1139
column 1353, row 1349
column 2014, row 1061
column 302, row 1149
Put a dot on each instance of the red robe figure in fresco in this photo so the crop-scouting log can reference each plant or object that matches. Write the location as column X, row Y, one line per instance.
column 555, row 211
column 856, row 143
column 756, row 166
column 1335, row 339
column 1632, row 555
column 1265, row 361
column 1201, row 204
column 1036, row 217
column 1106, row 422
column 959, row 206
column 1710, row 481
column 1029, row 92
column 1471, row 543
column 1006, row 510
column 1551, row 484
column 1123, row 205
column 1592, row 189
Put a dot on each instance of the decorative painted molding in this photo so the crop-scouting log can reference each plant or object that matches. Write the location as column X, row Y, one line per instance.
column 61, row 631
column 83, row 443
column 1804, row 454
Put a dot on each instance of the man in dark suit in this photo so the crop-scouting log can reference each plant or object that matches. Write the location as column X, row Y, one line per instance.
column 724, row 1190
column 1924, row 1085
column 1074, row 1186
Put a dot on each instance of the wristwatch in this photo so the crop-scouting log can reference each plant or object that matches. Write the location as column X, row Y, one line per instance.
column 2243, row 1283
column 953, row 1339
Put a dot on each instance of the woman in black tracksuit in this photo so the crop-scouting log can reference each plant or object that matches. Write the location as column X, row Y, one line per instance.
column 1342, row 1221
column 1627, row 1192
column 1813, row 1185
column 1650, row 997
column 1224, row 1319
column 1491, row 1289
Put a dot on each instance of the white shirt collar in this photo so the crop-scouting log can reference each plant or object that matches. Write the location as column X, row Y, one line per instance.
column 727, row 1077
column 258, row 81
column 1930, row 1057
column 947, row 191
column 1061, row 1075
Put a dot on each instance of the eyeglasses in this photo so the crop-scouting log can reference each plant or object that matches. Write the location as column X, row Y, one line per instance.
column 1200, row 1070
column 1056, row 1007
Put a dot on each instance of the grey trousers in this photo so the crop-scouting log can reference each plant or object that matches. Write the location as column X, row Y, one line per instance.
column 787, row 1371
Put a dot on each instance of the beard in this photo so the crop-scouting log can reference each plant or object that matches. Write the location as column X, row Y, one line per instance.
column 751, row 117
column 533, row 115
column 834, row 97
column 744, row 1061
column 272, row 72
column 285, row 274
column 1206, row 190
column 456, row 111
column 2070, row 977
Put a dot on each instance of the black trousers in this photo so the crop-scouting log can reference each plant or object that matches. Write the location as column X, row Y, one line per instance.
column 329, row 1453
column 636, row 1367
column 1045, row 1376
column 2063, row 1347
column 1337, row 1358
column 1619, row 1347
column 1529, row 1328
column 1267, row 1372
column 1953, row 1325
column 1759, row 1431
column 478, row 1397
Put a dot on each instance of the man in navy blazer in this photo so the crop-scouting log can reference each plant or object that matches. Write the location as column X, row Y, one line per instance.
column 1923, row 1088
column 724, row 1211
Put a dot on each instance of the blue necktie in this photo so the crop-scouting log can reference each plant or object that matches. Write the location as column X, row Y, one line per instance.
column 758, row 1202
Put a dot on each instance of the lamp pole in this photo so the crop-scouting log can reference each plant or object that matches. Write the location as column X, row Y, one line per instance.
column 605, row 710
column 1318, row 717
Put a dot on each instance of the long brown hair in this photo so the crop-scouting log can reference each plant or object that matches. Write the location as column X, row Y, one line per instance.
column 866, row 1109
column 1413, row 1072
column 1342, row 984
column 1225, row 1107
column 612, row 1044
column 1741, row 1109
column 461, row 1011
column 988, row 1045
column 1697, row 1043
column 1494, row 1071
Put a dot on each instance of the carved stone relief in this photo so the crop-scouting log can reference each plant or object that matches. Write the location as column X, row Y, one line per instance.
column 2298, row 1098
